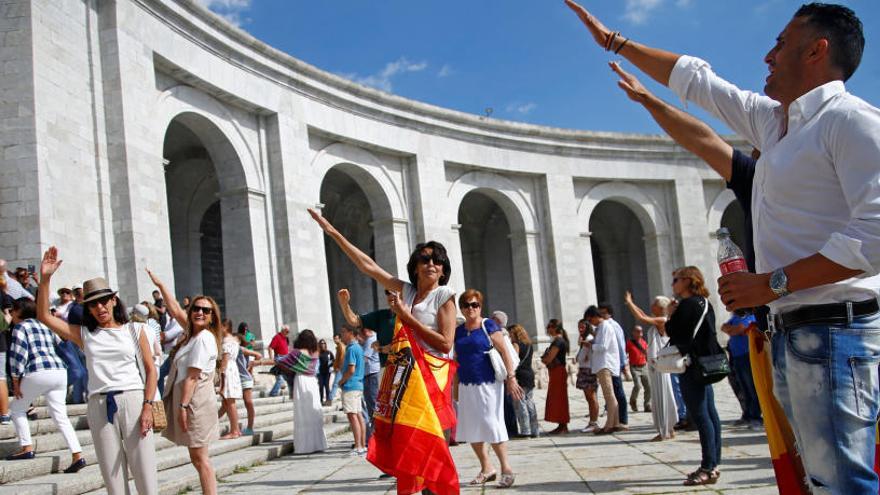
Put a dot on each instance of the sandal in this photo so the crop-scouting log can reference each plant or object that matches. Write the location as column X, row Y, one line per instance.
column 484, row 478
column 506, row 480
column 702, row 477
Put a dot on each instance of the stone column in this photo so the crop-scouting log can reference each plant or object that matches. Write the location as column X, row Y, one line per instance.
column 391, row 237
column 246, row 269
column 527, row 280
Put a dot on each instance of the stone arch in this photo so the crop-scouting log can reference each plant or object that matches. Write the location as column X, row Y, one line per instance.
column 510, row 197
column 524, row 301
column 371, row 214
column 374, row 177
column 655, row 238
column 212, row 122
column 207, row 163
column 645, row 208
column 719, row 205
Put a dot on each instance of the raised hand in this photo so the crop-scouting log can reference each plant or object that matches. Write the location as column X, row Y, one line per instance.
column 629, row 84
column 628, row 297
column 153, row 278
column 326, row 226
column 597, row 29
column 50, row 263
column 343, row 296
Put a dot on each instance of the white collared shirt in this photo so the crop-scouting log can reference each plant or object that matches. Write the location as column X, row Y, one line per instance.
column 817, row 189
column 605, row 353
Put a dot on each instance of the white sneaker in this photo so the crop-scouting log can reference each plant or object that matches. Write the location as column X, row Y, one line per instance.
column 590, row 428
column 353, row 453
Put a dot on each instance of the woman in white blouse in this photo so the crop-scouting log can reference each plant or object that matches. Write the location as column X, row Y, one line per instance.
column 119, row 412
column 190, row 401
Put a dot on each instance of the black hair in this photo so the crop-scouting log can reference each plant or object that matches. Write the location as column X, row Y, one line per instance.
column 120, row 315
column 242, row 327
column 843, row 30
column 306, row 340
column 439, row 256
column 557, row 324
column 26, row 308
column 592, row 312
column 607, row 307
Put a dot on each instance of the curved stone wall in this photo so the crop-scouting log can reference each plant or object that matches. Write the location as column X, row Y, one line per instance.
column 116, row 99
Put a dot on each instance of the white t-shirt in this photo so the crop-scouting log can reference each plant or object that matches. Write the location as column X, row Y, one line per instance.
column 111, row 359
column 426, row 310
column 200, row 352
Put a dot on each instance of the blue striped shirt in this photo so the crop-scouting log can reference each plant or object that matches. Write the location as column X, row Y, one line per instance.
column 32, row 349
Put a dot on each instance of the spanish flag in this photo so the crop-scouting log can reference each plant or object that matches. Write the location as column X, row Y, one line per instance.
column 790, row 478
column 412, row 410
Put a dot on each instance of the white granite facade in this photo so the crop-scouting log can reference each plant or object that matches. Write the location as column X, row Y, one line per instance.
column 120, row 116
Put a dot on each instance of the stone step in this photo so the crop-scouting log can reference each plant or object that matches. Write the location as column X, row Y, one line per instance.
column 184, row 477
column 58, row 459
column 175, row 470
column 76, row 414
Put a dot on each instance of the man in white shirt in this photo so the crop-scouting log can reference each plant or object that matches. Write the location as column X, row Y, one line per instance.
column 816, row 221
column 607, row 312
column 605, row 362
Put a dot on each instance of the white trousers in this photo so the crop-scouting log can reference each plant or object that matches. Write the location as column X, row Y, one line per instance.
column 119, row 445
column 52, row 384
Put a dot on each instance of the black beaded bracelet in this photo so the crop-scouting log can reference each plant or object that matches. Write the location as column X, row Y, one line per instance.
column 625, row 41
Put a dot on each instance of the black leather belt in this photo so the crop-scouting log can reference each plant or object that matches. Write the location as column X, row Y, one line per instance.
column 822, row 314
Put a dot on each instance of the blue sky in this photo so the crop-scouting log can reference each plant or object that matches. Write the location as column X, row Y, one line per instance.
column 529, row 60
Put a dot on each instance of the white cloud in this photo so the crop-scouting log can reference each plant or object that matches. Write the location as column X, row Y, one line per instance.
column 637, row 11
column 383, row 79
column 231, row 10
column 521, row 108
column 445, row 71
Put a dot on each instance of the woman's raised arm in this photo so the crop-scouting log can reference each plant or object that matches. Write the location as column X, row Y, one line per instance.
column 171, row 303
column 48, row 267
column 361, row 260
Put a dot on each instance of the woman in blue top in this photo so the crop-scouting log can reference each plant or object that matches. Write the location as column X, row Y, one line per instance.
column 480, row 396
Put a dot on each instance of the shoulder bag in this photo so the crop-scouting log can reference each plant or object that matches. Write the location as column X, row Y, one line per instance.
column 160, row 420
column 670, row 359
column 495, row 355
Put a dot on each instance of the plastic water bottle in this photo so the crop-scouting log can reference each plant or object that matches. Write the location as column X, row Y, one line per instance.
column 730, row 256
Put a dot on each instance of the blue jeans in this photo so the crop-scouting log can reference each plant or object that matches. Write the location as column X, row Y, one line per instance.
column 371, row 393
column 526, row 415
column 742, row 368
column 826, row 379
column 676, row 394
column 163, row 373
column 700, row 401
column 276, row 389
column 620, row 395
column 335, row 387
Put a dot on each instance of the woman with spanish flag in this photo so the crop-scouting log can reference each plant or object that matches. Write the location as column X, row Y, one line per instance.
column 414, row 406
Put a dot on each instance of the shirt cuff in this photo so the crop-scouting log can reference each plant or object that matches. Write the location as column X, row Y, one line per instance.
column 684, row 71
column 847, row 251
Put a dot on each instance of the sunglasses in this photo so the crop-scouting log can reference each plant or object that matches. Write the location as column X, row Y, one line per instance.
column 472, row 305
column 388, row 292
column 676, row 279
column 201, row 309
column 428, row 258
column 102, row 301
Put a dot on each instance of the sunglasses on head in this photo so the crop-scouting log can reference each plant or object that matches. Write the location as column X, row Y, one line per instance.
column 205, row 310
column 472, row 305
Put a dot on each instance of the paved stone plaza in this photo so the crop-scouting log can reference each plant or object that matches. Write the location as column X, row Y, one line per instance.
column 575, row 463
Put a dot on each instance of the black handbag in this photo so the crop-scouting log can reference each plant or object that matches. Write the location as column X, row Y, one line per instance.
column 712, row 368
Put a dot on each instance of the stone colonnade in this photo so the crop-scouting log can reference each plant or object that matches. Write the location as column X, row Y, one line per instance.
column 143, row 124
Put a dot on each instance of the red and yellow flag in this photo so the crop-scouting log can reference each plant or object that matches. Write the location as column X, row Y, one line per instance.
column 787, row 465
column 412, row 410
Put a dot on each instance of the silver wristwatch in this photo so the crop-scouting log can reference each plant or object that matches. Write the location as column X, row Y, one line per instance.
column 779, row 283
